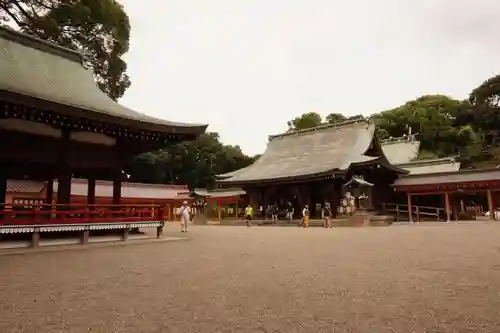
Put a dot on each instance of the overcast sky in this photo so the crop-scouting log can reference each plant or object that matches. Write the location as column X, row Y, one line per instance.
column 247, row 66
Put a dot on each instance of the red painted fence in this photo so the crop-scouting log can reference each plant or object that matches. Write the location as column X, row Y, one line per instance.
column 44, row 214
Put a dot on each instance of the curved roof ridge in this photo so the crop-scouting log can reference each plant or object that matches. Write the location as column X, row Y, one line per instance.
column 40, row 44
column 404, row 138
column 320, row 127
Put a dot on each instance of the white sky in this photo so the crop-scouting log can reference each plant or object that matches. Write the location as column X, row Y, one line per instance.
column 246, row 67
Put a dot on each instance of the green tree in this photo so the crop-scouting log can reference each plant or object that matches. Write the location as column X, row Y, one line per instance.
column 333, row 118
column 434, row 119
column 483, row 115
column 99, row 29
column 194, row 163
column 304, row 121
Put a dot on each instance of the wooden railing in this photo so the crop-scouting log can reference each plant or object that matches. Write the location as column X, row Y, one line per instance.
column 419, row 213
column 44, row 214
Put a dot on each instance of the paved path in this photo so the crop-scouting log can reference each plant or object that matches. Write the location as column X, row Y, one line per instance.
column 436, row 278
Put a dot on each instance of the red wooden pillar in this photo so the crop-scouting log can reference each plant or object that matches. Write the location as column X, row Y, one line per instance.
column 410, row 208
column 64, row 170
column 336, row 196
column 3, row 192
column 491, row 207
column 117, row 186
column 3, row 188
column 49, row 191
column 447, row 206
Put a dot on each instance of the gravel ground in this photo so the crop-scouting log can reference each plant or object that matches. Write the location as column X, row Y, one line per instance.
column 425, row 278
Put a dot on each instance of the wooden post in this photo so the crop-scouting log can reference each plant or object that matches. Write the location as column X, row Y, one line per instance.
column 85, row 237
column 418, row 214
column 447, row 206
column 219, row 211
column 490, row 205
column 237, row 208
column 125, row 233
column 64, row 170
column 91, row 190
column 49, row 191
column 410, row 208
column 117, row 186
column 397, row 212
column 3, row 192
column 35, row 239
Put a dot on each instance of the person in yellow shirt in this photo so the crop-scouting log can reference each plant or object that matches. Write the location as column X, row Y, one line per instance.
column 305, row 217
column 248, row 215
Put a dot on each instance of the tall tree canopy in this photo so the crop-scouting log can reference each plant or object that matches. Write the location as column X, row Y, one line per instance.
column 194, row 163
column 100, row 29
column 306, row 120
column 438, row 122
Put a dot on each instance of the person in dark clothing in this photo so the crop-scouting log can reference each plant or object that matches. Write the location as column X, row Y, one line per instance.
column 289, row 212
column 274, row 212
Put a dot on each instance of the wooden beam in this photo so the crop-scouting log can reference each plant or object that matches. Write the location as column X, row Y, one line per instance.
column 219, row 211
column 490, row 205
column 117, row 186
column 447, row 206
column 410, row 210
column 91, row 189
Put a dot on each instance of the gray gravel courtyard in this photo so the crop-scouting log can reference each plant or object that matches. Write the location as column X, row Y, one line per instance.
column 421, row 278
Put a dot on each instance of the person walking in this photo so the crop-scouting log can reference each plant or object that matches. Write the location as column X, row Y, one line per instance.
column 327, row 216
column 305, row 216
column 185, row 214
column 274, row 212
column 289, row 212
column 248, row 215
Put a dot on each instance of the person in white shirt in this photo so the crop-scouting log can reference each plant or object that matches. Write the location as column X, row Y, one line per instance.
column 185, row 214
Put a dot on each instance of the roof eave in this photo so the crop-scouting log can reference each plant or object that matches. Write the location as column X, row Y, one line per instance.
column 330, row 173
column 181, row 129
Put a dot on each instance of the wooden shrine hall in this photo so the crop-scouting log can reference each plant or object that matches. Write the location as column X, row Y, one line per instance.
column 55, row 123
column 312, row 167
column 452, row 189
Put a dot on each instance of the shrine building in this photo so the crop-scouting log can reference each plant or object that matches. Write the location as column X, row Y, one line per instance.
column 314, row 166
column 55, row 122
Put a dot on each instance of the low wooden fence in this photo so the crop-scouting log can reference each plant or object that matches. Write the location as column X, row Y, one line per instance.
column 419, row 213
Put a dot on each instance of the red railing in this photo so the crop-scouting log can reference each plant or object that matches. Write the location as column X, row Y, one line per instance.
column 43, row 214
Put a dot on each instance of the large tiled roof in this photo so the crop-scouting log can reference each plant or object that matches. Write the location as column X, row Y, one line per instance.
column 35, row 68
column 462, row 176
column 309, row 153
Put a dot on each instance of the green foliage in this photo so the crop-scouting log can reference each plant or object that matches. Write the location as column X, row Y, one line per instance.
column 99, row 29
column 433, row 118
column 304, row 121
column 193, row 163
column 333, row 118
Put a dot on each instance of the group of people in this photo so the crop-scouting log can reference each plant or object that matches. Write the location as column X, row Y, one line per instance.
column 289, row 213
column 185, row 214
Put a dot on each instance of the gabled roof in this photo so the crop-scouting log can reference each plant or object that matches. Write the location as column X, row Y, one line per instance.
column 315, row 152
column 357, row 181
column 400, row 150
column 403, row 152
column 38, row 69
column 429, row 166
